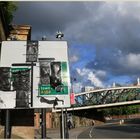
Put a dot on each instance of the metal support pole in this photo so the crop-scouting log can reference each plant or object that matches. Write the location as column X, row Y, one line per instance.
column 62, row 124
column 66, row 125
column 7, row 132
column 73, row 117
column 43, row 124
column 72, row 85
column 32, row 71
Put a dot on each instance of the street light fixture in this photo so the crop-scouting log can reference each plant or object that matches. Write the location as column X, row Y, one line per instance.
column 59, row 35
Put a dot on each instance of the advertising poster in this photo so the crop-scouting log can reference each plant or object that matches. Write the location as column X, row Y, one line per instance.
column 5, row 81
column 21, row 84
column 32, row 51
column 53, row 81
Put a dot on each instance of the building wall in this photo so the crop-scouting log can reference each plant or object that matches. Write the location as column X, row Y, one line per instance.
column 87, row 88
column 37, row 120
column 20, row 32
column 49, row 120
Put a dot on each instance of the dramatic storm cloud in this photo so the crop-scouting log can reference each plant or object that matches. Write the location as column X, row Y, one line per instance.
column 103, row 37
column 47, row 17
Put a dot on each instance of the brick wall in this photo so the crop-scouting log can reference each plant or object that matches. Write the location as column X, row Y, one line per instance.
column 126, row 116
column 37, row 120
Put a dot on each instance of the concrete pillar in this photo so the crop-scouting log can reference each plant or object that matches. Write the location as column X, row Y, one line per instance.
column 37, row 120
column 49, row 120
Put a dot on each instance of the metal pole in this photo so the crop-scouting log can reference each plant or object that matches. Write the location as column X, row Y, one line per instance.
column 32, row 71
column 43, row 125
column 73, row 118
column 71, row 84
column 7, row 131
column 62, row 122
column 61, row 126
column 66, row 126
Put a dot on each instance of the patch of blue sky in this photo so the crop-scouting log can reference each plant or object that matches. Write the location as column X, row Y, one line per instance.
column 122, row 80
column 85, row 52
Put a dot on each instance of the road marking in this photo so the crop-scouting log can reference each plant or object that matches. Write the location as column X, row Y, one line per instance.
column 91, row 132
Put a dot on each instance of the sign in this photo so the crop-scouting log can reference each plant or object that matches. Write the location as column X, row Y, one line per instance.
column 72, row 98
column 51, row 75
column 51, row 80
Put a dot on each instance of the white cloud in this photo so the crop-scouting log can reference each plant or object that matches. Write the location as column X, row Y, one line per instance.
column 131, row 61
column 95, row 80
column 87, row 74
column 74, row 58
column 100, row 73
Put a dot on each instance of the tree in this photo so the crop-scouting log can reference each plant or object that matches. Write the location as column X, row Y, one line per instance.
column 122, row 110
column 8, row 8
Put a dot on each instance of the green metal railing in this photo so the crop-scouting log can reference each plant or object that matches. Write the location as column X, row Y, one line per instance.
column 113, row 95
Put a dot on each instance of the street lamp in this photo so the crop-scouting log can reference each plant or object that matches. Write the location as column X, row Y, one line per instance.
column 59, row 35
column 72, row 81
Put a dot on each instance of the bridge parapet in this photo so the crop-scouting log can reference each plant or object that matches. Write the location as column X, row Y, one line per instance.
column 110, row 96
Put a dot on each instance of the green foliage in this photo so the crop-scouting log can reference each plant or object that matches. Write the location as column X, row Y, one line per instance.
column 125, row 110
column 8, row 8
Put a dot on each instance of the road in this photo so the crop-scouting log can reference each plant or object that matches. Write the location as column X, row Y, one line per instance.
column 112, row 131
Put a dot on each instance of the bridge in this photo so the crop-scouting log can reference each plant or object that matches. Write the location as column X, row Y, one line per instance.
column 108, row 97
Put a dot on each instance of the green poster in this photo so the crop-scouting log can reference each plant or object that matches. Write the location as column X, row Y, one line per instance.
column 61, row 89
column 19, row 69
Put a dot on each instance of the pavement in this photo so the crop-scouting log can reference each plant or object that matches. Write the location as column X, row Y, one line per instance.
column 55, row 133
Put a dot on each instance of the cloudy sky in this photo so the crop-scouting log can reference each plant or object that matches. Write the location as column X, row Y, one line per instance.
column 103, row 37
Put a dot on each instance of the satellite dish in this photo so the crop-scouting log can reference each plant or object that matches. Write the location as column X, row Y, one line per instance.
column 59, row 35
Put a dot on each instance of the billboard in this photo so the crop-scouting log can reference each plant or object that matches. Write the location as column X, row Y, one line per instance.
column 44, row 84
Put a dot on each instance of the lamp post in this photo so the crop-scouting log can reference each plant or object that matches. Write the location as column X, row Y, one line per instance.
column 72, row 80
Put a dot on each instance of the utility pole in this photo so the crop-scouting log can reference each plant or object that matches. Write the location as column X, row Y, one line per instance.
column 7, row 132
column 43, row 123
column 66, row 125
column 62, row 124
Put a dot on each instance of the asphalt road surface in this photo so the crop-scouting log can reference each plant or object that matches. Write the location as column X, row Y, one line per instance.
column 112, row 131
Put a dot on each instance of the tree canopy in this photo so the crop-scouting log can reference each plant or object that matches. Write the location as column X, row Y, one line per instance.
column 8, row 8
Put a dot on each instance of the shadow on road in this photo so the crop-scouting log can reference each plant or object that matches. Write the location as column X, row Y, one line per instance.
column 130, row 129
column 122, row 128
column 126, row 127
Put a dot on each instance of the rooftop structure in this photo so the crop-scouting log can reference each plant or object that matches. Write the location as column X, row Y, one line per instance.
column 20, row 32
